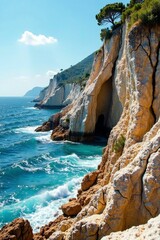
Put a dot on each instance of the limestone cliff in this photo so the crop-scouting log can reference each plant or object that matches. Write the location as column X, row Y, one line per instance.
column 58, row 94
column 66, row 85
column 123, row 94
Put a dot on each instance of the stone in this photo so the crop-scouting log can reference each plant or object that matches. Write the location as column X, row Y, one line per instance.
column 149, row 231
column 17, row 230
column 59, row 133
column 89, row 180
column 56, row 236
column 128, row 189
column 47, row 126
column 71, row 208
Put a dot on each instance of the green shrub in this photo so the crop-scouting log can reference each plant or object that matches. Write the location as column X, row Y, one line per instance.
column 117, row 25
column 119, row 144
column 147, row 12
column 150, row 12
column 105, row 34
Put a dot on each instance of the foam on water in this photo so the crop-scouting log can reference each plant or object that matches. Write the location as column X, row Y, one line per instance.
column 28, row 129
column 37, row 175
column 44, row 138
column 43, row 207
column 31, row 108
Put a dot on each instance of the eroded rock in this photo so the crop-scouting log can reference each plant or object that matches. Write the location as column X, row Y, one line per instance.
column 89, row 180
column 71, row 208
column 17, row 230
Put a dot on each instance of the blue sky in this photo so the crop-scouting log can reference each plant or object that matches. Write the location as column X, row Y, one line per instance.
column 40, row 37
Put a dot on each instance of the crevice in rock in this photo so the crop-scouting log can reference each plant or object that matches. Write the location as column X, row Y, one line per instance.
column 145, row 168
column 154, row 80
column 148, row 55
column 118, row 191
column 154, row 67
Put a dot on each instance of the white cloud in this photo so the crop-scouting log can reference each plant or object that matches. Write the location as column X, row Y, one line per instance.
column 51, row 73
column 29, row 38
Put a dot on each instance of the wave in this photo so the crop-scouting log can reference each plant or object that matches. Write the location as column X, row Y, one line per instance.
column 31, row 108
column 28, row 129
column 70, row 142
column 11, row 148
column 44, row 138
column 43, row 207
column 29, row 168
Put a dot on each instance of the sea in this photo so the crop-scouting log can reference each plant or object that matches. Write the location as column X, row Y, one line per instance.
column 37, row 175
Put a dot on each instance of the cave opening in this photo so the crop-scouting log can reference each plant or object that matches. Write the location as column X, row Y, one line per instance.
column 104, row 99
column 100, row 126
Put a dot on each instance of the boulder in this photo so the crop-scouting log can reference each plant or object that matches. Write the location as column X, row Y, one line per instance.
column 89, row 180
column 47, row 126
column 71, row 208
column 17, row 230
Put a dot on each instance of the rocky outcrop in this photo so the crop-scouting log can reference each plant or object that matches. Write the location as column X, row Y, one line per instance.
column 122, row 92
column 17, row 230
column 149, row 231
column 65, row 86
column 90, row 113
column 58, row 94
column 41, row 96
column 89, row 180
column 72, row 208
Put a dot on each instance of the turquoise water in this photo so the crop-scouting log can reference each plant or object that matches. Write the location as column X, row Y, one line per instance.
column 37, row 175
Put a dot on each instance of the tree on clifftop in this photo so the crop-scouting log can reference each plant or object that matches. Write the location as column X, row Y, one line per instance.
column 110, row 13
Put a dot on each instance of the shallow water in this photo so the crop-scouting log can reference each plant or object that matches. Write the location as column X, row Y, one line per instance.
column 37, row 175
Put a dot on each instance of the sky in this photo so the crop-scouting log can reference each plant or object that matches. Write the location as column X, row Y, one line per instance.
column 40, row 37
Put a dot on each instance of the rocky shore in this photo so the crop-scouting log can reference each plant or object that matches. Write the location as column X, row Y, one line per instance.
column 122, row 94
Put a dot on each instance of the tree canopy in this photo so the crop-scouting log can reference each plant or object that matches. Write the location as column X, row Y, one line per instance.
column 110, row 13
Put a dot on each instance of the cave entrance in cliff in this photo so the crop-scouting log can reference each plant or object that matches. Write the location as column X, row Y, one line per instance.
column 103, row 107
column 100, row 126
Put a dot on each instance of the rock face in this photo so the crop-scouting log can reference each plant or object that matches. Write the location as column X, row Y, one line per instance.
column 122, row 92
column 149, row 231
column 93, row 112
column 65, row 86
column 17, row 230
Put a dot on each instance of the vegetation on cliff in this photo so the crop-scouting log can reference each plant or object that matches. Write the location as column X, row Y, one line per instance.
column 108, row 15
column 78, row 73
column 146, row 12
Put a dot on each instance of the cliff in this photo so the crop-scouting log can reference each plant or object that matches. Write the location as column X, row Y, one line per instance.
column 121, row 95
column 66, row 85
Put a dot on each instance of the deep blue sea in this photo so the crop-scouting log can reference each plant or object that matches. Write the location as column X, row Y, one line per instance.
column 37, row 175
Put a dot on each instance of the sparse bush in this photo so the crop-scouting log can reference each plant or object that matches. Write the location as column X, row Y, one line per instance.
column 117, row 25
column 119, row 144
column 87, row 75
column 105, row 34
